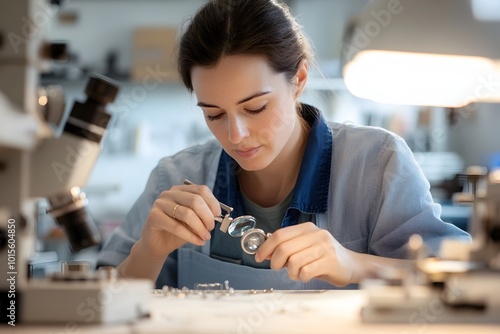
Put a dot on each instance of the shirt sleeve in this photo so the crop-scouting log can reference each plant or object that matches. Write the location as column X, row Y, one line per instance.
column 199, row 164
column 117, row 247
column 406, row 206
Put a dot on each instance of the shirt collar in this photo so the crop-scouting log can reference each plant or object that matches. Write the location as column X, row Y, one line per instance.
column 310, row 194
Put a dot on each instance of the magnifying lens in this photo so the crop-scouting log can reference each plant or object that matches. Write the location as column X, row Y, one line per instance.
column 235, row 227
column 242, row 226
column 253, row 239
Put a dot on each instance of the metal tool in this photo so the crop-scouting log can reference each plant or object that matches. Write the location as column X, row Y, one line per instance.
column 242, row 226
column 235, row 227
column 253, row 239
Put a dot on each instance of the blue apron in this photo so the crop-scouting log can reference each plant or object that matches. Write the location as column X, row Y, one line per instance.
column 196, row 266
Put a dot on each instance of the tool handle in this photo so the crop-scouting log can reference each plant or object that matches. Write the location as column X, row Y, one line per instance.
column 225, row 207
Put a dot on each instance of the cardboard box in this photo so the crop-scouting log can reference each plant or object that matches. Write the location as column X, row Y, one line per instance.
column 154, row 55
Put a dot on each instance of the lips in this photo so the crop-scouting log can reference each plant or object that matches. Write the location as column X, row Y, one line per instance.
column 248, row 152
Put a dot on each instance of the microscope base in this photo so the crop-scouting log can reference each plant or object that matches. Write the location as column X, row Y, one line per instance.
column 85, row 302
column 466, row 299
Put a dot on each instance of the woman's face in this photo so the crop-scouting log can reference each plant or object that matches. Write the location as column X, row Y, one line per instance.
column 248, row 107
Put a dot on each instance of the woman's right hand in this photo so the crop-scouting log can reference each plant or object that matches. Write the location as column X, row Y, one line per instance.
column 185, row 213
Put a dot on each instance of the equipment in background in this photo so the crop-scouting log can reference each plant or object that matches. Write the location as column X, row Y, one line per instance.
column 441, row 54
column 457, row 287
column 38, row 161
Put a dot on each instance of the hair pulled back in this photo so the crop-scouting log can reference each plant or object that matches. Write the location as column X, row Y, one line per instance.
column 234, row 27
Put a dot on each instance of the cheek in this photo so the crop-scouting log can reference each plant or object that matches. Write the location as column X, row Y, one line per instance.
column 273, row 129
column 218, row 129
column 212, row 126
column 282, row 119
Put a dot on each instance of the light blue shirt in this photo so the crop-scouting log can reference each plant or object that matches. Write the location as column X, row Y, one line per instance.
column 364, row 179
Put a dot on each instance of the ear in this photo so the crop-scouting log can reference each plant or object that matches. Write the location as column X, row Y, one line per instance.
column 301, row 77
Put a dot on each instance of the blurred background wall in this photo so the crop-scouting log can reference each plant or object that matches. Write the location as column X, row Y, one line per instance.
column 133, row 42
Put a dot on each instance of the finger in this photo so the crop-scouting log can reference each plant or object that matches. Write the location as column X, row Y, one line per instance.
column 205, row 192
column 162, row 222
column 184, row 215
column 193, row 222
column 313, row 269
column 285, row 250
column 279, row 237
column 305, row 264
column 184, row 232
column 196, row 202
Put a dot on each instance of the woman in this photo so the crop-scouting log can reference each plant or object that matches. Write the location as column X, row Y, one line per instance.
column 340, row 200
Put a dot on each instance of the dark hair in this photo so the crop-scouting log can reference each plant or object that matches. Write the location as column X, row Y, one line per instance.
column 231, row 27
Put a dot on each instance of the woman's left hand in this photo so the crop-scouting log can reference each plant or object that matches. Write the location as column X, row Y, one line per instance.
column 308, row 252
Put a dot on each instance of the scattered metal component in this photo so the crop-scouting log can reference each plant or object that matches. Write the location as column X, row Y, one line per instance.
column 204, row 290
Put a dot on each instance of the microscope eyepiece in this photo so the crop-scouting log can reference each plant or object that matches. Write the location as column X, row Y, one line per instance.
column 89, row 120
column 101, row 91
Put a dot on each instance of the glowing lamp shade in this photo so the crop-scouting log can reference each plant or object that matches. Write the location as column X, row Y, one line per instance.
column 422, row 52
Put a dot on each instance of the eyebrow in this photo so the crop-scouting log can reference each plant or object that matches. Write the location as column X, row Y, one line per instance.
column 206, row 105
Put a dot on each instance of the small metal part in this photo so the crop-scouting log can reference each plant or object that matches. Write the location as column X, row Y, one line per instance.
column 253, row 239
column 225, row 222
column 108, row 273
column 205, row 290
column 75, row 271
column 74, row 267
column 234, row 227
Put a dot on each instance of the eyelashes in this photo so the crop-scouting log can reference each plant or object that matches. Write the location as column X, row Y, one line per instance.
column 213, row 118
column 250, row 111
column 256, row 111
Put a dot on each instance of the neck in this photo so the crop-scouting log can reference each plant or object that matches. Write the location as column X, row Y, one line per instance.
column 270, row 186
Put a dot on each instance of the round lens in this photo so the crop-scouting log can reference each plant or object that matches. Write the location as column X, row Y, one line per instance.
column 240, row 225
column 252, row 240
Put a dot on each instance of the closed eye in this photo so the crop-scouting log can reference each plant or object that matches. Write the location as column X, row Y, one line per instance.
column 256, row 111
column 250, row 111
column 214, row 117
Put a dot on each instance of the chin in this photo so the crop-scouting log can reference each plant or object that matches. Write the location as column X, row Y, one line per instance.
column 252, row 165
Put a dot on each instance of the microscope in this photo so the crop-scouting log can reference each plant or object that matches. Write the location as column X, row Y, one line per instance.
column 390, row 45
column 461, row 285
column 39, row 162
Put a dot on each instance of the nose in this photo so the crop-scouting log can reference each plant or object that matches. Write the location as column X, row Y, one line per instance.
column 238, row 129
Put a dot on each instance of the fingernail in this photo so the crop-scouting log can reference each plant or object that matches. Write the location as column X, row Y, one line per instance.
column 208, row 236
column 257, row 258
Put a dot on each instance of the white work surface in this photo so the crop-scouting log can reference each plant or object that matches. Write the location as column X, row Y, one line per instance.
column 275, row 312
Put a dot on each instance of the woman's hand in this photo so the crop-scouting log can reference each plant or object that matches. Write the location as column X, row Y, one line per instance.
column 308, row 252
column 185, row 213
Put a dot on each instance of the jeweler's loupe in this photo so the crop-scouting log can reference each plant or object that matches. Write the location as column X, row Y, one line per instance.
column 240, row 225
column 253, row 239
